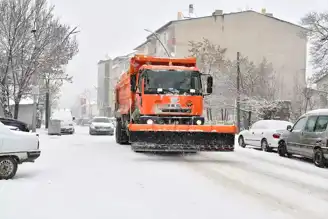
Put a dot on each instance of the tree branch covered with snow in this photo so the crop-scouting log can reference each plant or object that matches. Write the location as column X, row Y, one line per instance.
column 317, row 25
column 257, row 82
column 36, row 47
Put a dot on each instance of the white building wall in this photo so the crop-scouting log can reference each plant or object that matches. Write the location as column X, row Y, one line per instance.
column 253, row 35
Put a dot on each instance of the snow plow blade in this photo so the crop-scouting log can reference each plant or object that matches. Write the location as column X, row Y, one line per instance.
column 182, row 138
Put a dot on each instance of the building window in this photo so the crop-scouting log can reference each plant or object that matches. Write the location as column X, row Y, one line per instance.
column 325, row 87
column 165, row 38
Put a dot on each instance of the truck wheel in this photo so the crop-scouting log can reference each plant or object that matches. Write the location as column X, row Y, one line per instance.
column 120, row 135
column 8, row 168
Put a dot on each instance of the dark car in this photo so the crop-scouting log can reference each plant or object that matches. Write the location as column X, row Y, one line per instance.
column 308, row 138
column 22, row 126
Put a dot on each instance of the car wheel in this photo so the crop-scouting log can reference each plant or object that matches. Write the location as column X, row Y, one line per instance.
column 90, row 132
column 318, row 158
column 264, row 146
column 282, row 149
column 8, row 168
column 241, row 142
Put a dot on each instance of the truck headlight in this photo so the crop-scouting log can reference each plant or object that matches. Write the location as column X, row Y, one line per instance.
column 149, row 121
column 199, row 122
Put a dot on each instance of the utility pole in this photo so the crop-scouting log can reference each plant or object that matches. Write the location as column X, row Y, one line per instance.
column 35, row 95
column 47, row 103
column 238, row 92
column 35, row 90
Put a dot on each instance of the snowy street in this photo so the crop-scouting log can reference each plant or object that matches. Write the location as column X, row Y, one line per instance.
column 84, row 177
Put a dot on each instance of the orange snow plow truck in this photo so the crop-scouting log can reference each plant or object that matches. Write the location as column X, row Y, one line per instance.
column 159, row 107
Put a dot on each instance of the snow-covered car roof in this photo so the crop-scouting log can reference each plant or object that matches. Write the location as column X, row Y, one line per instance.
column 317, row 112
column 275, row 123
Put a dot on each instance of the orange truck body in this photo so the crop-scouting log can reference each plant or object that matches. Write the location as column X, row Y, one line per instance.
column 161, row 118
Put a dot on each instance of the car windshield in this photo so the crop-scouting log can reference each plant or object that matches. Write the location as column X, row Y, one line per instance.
column 102, row 120
column 173, row 81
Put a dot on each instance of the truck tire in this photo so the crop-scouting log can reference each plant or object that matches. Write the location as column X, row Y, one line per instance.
column 8, row 168
column 120, row 134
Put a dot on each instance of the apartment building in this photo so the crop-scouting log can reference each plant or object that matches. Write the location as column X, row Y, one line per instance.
column 253, row 34
column 103, row 86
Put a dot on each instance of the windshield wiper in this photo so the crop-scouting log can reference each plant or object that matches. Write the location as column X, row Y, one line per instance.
column 172, row 91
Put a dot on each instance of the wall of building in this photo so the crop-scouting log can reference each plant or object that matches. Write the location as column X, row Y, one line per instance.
column 255, row 36
column 25, row 113
column 103, row 86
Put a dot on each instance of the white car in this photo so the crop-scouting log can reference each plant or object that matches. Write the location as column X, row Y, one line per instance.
column 14, row 128
column 66, row 121
column 16, row 148
column 264, row 134
column 101, row 125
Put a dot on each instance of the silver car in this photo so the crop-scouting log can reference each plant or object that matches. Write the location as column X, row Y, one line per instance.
column 101, row 125
column 308, row 138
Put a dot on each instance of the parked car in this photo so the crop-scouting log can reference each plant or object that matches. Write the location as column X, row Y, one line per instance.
column 14, row 128
column 66, row 121
column 22, row 126
column 101, row 125
column 308, row 138
column 264, row 134
column 16, row 147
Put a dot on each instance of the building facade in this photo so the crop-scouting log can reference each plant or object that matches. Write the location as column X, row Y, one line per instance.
column 255, row 35
column 103, row 86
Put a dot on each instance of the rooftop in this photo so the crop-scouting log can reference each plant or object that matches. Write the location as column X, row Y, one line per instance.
column 223, row 14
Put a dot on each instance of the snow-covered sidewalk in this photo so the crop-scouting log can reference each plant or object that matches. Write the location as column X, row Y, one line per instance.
column 83, row 177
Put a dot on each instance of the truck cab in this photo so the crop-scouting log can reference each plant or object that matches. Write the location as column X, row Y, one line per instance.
column 169, row 95
column 159, row 107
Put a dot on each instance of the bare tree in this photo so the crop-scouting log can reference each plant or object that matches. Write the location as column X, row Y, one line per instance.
column 14, row 21
column 258, row 83
column 317, row 25
column 210, row 60
column 42, row 46
column 304, row 98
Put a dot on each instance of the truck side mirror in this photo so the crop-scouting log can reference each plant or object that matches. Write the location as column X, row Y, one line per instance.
column 133, row 81
column 289, row 127
column 209, row 89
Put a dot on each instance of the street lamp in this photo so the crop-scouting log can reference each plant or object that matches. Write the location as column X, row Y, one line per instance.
column 156, row 35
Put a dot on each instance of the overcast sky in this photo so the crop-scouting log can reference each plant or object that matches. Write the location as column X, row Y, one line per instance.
column 116, row 27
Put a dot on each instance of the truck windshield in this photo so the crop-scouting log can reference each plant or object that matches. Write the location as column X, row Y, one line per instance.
column 173, row 82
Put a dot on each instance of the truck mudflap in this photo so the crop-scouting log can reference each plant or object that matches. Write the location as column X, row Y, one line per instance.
column 182, row 138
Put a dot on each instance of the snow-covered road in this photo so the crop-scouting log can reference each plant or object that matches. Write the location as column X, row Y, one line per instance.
column 85, row 177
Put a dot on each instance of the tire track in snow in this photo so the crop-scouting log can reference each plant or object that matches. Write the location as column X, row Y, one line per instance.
column 228, row 177
column 305, row 187
column 287, row 166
